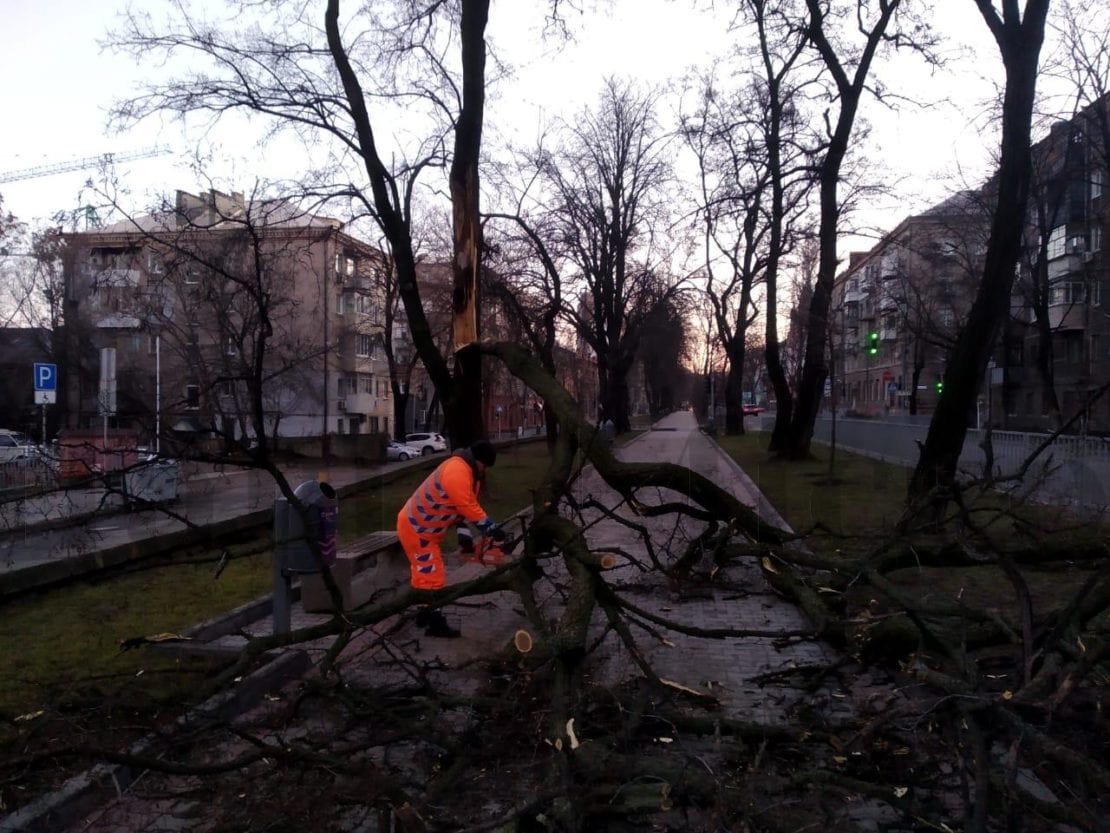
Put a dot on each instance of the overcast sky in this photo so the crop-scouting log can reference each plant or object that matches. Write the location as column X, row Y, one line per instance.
column 59, row 85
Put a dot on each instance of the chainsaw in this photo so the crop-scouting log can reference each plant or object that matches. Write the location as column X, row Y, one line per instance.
column 487, row 552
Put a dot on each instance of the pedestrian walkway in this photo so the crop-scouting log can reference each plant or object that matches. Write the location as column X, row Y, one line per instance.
column 732, row 670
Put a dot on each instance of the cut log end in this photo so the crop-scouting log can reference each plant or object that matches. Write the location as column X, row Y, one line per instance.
column 522, row 641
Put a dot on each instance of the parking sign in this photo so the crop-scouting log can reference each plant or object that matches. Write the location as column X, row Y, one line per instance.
column 46, row 383
column 46, row 376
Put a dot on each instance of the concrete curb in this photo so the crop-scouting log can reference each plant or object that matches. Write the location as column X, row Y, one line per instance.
column 65, row 806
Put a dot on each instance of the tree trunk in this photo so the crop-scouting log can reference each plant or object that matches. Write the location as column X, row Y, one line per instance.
column 734, row 389
column 1020, row 45
column 400, row 408
column 464, row 403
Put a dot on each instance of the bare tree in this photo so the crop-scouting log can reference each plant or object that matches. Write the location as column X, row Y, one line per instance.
column 743, row 203
column 849, row 69
column 284, row 68
column 607, row 186
column 1019, row 37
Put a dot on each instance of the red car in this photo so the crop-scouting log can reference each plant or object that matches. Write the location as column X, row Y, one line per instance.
column 751, row 410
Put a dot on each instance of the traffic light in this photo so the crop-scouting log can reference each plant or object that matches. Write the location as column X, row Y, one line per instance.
column 873, row 343
column 940, row 386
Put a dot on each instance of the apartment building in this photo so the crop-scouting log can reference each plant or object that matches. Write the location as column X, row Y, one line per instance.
column 1054, row 355
column 218, row 307
column 897, row 308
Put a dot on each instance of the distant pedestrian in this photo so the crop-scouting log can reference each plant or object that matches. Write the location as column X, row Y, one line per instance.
column 447, row 498
column 608, row 432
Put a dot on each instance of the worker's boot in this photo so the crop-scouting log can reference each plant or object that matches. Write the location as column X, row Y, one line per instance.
column 436, row 625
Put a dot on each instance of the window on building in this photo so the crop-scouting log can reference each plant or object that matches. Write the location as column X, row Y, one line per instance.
column 227, row 388
column 1096, row 183
column 154, row 263
column 1056, row 242
column 373, row 425
column 364, row 345
column 385, row 425
column 192, row 334
column 1096, row 238
column 339, row 304
column 192, row 274
column 232, row 347
column 1074, row 349
column 365, row 383
column 364, row 304
column 192, row 397
column 1067, row 293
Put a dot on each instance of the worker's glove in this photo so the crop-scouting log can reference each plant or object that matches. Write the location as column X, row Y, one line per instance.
column 491, row 530
column 466, row 541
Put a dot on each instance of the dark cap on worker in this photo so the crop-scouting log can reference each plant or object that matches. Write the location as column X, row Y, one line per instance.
column 484, row 452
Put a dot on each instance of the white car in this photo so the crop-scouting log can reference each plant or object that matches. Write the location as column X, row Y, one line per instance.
column 427, row 442
column 15, row 445
column 399, row 451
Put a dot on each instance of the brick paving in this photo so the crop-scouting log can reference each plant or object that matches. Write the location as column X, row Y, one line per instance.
column 726, row 668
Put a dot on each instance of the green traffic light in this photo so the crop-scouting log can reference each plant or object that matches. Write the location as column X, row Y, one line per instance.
column 873, row 343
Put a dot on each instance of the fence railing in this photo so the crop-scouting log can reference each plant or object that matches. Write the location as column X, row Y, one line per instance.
column 26, row 473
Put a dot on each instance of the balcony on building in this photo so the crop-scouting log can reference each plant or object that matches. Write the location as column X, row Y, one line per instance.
column 1069, row 298
column 358, row 403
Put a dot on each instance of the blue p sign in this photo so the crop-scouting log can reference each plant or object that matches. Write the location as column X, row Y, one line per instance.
column 46, row 376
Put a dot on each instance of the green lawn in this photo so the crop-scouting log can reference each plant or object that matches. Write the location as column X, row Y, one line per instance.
column 62, row 645
column 865, row 497
column 865, row 501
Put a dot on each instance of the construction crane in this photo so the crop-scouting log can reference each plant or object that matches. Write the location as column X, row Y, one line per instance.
column 81, row 164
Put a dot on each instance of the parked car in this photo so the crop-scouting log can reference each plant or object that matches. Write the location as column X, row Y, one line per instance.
column 400, row 451
column 751, row 410
column 427, row 442
column 15, row 445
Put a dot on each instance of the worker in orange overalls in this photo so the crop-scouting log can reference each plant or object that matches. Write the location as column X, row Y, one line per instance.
column 448, row 497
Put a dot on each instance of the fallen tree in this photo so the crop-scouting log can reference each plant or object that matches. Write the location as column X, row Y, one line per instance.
column 936, row 712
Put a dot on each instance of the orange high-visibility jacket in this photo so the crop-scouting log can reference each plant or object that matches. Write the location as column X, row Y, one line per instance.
column 448, row 495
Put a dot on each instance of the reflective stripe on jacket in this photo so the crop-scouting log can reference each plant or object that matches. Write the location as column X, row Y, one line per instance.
column 448, row 495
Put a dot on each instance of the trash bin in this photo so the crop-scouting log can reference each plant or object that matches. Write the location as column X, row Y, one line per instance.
column 153, row 482
column 292, row 551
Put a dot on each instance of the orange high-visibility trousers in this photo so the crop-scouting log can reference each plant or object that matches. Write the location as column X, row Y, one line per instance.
column 426, row 570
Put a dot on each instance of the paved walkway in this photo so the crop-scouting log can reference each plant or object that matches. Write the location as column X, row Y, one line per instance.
column 725, row 668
